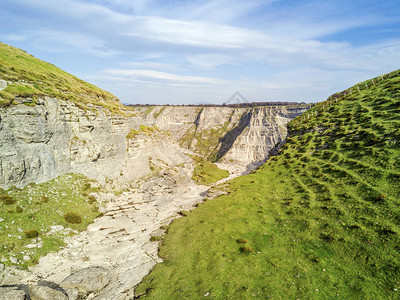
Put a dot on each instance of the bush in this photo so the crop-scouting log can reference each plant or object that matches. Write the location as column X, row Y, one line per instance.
column 19, row 209
column 380, row 197
column 246, row 250
column 30, row 234
column 241, row 241
column 7, row 199
column 183, row 213
column 45, row 199
column 92, row 199
column 72, row 218
column 155, row 238
column 86, row 186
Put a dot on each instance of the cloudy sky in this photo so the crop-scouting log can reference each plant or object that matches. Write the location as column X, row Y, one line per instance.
column 190, row 51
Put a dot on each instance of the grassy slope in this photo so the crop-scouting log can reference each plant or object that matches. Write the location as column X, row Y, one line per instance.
column 42, row 78
column 38, row 207
column 322, row 218
column 206, row 172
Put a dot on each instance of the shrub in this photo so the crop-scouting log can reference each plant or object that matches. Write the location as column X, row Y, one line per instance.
column 316, row 260
column 30, row 234
column 241, row 241
column 86, row 186
column 19, row 209
column 327, row 237
column 183, row 213
column 155, row 238
column 246, row 250
column 7, row 199
column 45, row 199
column 92, row 199
column 72, row 218
column 380, row 197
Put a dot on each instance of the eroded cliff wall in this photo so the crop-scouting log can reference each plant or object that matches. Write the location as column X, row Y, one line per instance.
column 52, row 137
column 231, row 135
column 42, row 141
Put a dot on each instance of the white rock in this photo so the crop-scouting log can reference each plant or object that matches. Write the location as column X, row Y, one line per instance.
column 3, row 84
column 14, row 260
column 57, row 228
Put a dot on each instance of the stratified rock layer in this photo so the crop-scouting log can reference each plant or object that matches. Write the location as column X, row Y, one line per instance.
column 53, row 137
column 225, row 134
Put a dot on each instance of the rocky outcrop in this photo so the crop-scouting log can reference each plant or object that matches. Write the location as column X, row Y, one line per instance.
column 225, row 134
column 40, row 141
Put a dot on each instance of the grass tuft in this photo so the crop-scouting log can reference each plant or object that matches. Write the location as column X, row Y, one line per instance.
column 30, row 234
column 72, row 218
column 247, row 250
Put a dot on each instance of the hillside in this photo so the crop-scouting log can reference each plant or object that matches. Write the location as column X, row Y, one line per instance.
column 320, row 220
column 24, row 76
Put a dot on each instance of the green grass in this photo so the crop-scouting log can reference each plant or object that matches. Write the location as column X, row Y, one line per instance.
column 157, row 114
column 321, row 220
column 37, row 207
column 32, row 77
column 206, row 172
column 143, row 129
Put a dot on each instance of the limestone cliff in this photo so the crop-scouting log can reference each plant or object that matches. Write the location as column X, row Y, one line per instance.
column 225, row 134
column 39, row 142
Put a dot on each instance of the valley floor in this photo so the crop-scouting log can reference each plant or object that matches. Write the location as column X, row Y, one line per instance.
column 125, row 239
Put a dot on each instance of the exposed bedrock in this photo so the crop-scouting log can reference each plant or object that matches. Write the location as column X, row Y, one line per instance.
column 53, row 137
column 229, row 135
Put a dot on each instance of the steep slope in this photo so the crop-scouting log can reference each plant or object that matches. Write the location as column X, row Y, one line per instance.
column 319, row 221
column 225, row 134
column 52, row 123
column 24, row 78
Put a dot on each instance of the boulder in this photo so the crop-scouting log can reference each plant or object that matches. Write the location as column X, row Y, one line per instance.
column 14, row 295
column 3, row 84
column 38, row 292
column 89, row 279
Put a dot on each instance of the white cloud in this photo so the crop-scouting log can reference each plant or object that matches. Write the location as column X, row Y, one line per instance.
column 209, row 61
column 150, row 65
column 15, row 37
column 158, row 76
column 59, row 40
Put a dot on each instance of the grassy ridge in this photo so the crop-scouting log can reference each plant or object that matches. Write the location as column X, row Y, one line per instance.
column 32, row 77
column 319, row 221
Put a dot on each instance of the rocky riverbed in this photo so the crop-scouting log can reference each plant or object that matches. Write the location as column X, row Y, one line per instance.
column 115, row 252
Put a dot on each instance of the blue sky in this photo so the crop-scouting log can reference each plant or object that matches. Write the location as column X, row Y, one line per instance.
column 182, row 52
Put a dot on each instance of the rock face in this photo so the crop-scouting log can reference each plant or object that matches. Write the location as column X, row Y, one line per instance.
column 40, row 142
column 38, row 292
column 236, row 135
column 53, row 137
column 89, row 280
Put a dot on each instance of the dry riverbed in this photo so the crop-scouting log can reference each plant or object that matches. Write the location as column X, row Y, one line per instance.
column 120, row 242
